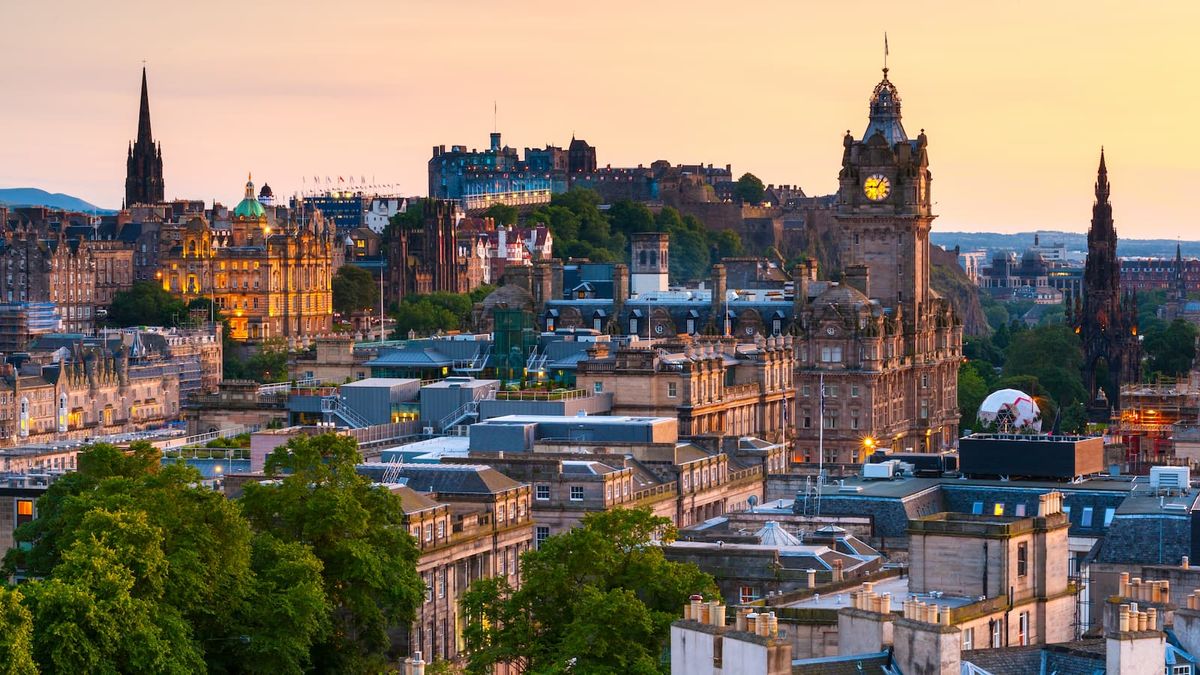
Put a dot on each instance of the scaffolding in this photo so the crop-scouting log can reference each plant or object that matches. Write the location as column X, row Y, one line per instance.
column 1149, row 414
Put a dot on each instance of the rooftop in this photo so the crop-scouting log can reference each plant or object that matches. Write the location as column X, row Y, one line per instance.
column 897, row 587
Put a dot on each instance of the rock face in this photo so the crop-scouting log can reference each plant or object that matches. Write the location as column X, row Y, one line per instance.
column 951, row 282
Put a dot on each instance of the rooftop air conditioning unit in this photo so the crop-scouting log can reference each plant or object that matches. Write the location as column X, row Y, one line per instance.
column 428, row 431
column 1170, row 477
column 881, row 470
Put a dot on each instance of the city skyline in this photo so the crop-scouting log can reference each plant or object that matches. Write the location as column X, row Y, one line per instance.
column 1017, row 116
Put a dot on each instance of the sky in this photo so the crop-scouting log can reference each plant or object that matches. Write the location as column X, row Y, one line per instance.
column 1016, row 98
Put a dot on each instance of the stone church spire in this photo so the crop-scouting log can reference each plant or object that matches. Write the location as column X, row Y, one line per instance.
column 1107, row 321
column 143, row 174
column 144, row 135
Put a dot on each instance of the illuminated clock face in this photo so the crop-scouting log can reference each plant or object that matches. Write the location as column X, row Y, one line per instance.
column 877, row 187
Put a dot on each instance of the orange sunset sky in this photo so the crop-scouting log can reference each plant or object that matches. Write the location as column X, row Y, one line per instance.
column 1016, row 98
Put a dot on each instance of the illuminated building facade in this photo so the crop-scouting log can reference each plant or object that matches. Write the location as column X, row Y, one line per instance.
column 268, row 280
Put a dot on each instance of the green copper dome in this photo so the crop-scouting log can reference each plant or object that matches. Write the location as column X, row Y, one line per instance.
column 250, row 208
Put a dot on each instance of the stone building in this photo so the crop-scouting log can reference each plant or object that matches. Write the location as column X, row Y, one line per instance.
column 93, row 394
column 272, row 280
column 715, row 387
column 41, row 265
column 470, row 522
column 432, row 258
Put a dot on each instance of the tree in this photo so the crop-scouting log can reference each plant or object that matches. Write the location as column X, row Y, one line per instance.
column 972, row 389
column 729, row 244
column 16, row 635
column 629, row 217
column 502, row 214
column 601, row 596
column 269, row 363
column 1170, row 349
column 354, row 289
column 146, row 304
column 1051, row 354
column 749, row 189
column 136, row 555
column 368, row 560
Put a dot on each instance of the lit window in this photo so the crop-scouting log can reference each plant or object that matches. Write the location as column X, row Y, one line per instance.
column 998, row 509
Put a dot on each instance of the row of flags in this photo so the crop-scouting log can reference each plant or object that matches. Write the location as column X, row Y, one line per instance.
column 329, row 180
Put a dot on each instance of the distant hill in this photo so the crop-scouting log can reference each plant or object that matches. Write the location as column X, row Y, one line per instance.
column 1075, row 241
column 56, row 200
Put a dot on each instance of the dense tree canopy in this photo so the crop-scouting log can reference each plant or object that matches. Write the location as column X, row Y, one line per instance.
column 429, row 313
column 749, row 189
column 354, row 289
column 356, row 530
column 1053, row 355
column 502, row 214
column 143, row 571
column 600, row 597
column 146, row 304
column 1170, row 348
column 140, row 569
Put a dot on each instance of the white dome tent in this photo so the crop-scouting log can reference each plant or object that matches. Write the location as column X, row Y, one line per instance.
column 1011, row 411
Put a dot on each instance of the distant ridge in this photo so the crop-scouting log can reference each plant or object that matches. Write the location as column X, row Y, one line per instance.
column 1075, row 241
column 38, row 197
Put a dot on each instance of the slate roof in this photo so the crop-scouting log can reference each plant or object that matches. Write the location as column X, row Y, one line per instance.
column 475, row 479
column 856, row 664
column 1082, row 657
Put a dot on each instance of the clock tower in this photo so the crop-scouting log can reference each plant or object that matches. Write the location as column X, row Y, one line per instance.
column 884, row 206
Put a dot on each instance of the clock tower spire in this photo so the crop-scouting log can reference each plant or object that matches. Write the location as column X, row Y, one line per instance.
column 884, row 206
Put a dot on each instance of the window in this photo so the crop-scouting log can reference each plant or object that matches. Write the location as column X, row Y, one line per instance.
column 1181, row 670
column 924, row 380
column 831, row 390
column 831, row 354
column 542, row 533
column 441, row 529
column 1023, row 629
column 428, row 589
column 543, row 493
column 598, row 387
column 997, row 633
column 686, row 482
column 428, row 531
column 1108, row 516
column 576, row 493
column 1086, row 519
column 500, row 514
column 746, row 594
column 998, row 509
column 805, row 390
column 672, row 389
column 924, row 409
column 1022, row 559
column 968, row 639
column 24, row 511
column 626, row 488
column 441, row 584
column 854, row 421
column 1020, row 511
column 854, row 390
